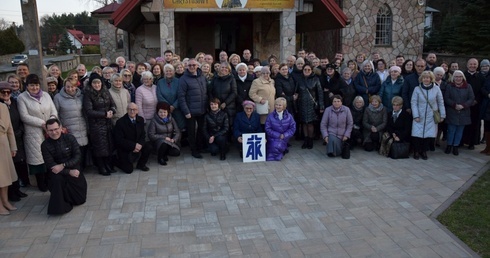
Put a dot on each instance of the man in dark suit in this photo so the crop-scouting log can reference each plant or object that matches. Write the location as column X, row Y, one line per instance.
column 129, row 134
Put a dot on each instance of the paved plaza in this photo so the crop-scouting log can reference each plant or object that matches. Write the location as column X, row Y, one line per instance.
column 307, row 205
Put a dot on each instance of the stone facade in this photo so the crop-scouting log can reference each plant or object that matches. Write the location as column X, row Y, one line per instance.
column 322, row 43
column 108, row 41
column 407, row 30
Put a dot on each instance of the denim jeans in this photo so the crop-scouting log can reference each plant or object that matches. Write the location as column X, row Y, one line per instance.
column 454, row 134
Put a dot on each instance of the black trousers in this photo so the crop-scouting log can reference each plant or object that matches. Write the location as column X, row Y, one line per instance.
column 421, row 144
column 125, row 160
column 218, row 145
column 194, row 129
column 66, row 191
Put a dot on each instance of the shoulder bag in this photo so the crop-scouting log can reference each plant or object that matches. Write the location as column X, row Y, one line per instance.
column 437, row 114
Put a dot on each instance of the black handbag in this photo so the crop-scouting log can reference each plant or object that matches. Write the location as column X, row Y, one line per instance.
column 345, row 150
column 399, row 150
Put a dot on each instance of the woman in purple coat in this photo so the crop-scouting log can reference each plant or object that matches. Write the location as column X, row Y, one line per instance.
column 336, row 126
column 279, row 128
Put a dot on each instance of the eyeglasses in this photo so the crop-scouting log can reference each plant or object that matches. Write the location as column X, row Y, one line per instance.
column 132, row 109
column 127, row 75
column 192, row 65
column 306, row 69
column 5, row 91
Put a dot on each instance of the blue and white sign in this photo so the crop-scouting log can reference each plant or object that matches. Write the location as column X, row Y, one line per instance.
column 253, row 147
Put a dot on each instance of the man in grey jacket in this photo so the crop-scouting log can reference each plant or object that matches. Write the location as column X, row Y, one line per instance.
column 193, row 102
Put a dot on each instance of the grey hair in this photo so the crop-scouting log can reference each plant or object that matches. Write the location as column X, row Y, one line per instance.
column 240, row 65
column 116, row 76
column 146, row 74
column 168, row 66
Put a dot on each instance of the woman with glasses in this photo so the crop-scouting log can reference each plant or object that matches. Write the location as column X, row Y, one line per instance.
column 120, row 96
column 458, row 97
column 262, row 92
column 247, row 121
column 223, row 87
column 367, row 82
column 107, row 73
column 310, row 103
column 16, row 84
column 69, row 103
column 128, row 83
column 99, row 108
column 8, row 150
column 35, row 108
column 167, row 90
column 20, row 165
column 146, row 97
column 397, row 127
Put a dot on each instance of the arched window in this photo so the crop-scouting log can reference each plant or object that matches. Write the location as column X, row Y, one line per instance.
column 384, row 21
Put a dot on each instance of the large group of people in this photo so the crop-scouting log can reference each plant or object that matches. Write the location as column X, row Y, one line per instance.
column 118, row 114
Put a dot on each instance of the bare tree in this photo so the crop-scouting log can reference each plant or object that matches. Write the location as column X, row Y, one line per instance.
column 4, row 24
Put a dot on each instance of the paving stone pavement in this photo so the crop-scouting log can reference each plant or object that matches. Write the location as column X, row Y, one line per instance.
column 307, row 205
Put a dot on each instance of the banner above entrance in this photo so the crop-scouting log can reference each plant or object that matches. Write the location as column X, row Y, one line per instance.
column 223, row 4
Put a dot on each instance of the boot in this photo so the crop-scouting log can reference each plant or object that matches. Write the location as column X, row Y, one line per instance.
column 305, row 143
column 222, row 156
column 12, row 195
column 41, row 182
column 424, row 155
column 487, row 142
column 101, row 166
column 310, row 143
column 16, row 189
column 455, row 150
column 109, row 166
column 448, row 149
column 162, row 157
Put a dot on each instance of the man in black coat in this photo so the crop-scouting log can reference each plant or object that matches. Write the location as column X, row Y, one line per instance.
column 129, row 135
column 61, row 154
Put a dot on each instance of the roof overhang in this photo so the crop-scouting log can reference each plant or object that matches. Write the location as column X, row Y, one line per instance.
column 128, row 16
column 326, row 15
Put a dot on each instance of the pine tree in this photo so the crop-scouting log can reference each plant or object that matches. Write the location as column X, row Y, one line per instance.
column 10, row 43
column 65, row 44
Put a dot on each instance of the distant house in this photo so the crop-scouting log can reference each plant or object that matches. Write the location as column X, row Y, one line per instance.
column 80, row 39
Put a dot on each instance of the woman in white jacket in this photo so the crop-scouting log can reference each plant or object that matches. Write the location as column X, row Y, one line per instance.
column 425, row 99
column 35, row 108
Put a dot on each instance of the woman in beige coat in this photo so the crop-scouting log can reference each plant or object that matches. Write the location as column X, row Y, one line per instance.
column 8, row 149
column 120, row 95
column 263, row 91
column 35, row 108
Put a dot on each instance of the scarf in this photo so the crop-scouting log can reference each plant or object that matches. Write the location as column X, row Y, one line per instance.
column 242, row 78
column 37, row 95
column 378, row 109
column 280, row 115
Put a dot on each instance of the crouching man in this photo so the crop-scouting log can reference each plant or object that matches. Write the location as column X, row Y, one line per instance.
column 61, row 154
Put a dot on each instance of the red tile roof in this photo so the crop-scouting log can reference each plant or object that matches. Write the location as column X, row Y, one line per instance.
column 110, row 8
column 128, row 16
column 85, row 39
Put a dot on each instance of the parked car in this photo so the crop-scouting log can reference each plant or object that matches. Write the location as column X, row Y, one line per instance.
column 19, row 59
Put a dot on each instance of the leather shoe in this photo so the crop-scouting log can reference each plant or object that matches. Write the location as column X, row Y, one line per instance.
column 416, row 156
column 222, row 156
column 21, row 194
column 456, row 151
column 448, row 149
column 162, row 162
column 143, row 168
column 424, row 155
column 196, row 155
column 104, row 172
column 471, row 147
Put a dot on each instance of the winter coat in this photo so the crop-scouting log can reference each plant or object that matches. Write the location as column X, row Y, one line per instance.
column 485, row 104
column 146, row 99
column 70, row 112
column 243, row 124
column 34, row 113
column 286, row 88
column 426, row 127
column 330, row 85
column 215, row 124
column 243, row 88
column 159, row 130
column 19, row 130
column 95, row 105
column 477, row 81
column 65, row 150
column 167, row 91
column 357, row 115
column 338, row 123
column 192, row 93
column 401, row 127
column 131, row 89
column 224, row 88
column 374, row 117
column 389, row 90
column 310, row 98
column 410, row 82
column 121, row 99
column 7, row 145
column 462, row 95
column 367, row 85
column 274, row 127
column 262, row 89
column 347, row 91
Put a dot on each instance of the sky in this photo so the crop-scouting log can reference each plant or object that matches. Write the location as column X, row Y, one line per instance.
column 10, row 10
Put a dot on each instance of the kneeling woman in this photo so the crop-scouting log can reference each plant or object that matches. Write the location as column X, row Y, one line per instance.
column 164, row 134
column 247, row 121
column 279, row 128
column 336, row 126
column 215, row 129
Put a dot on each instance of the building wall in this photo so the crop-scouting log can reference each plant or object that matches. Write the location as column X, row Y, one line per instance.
column 139, row 51
column 108, row 42
column 322, row 43
column 408, row 29
column 266, row 35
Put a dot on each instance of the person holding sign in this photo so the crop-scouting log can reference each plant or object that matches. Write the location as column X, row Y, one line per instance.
column 247, row 121
column 279, row 128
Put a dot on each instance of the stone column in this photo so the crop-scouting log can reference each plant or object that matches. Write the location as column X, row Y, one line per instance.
column 167, row 31
column 288, row 34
